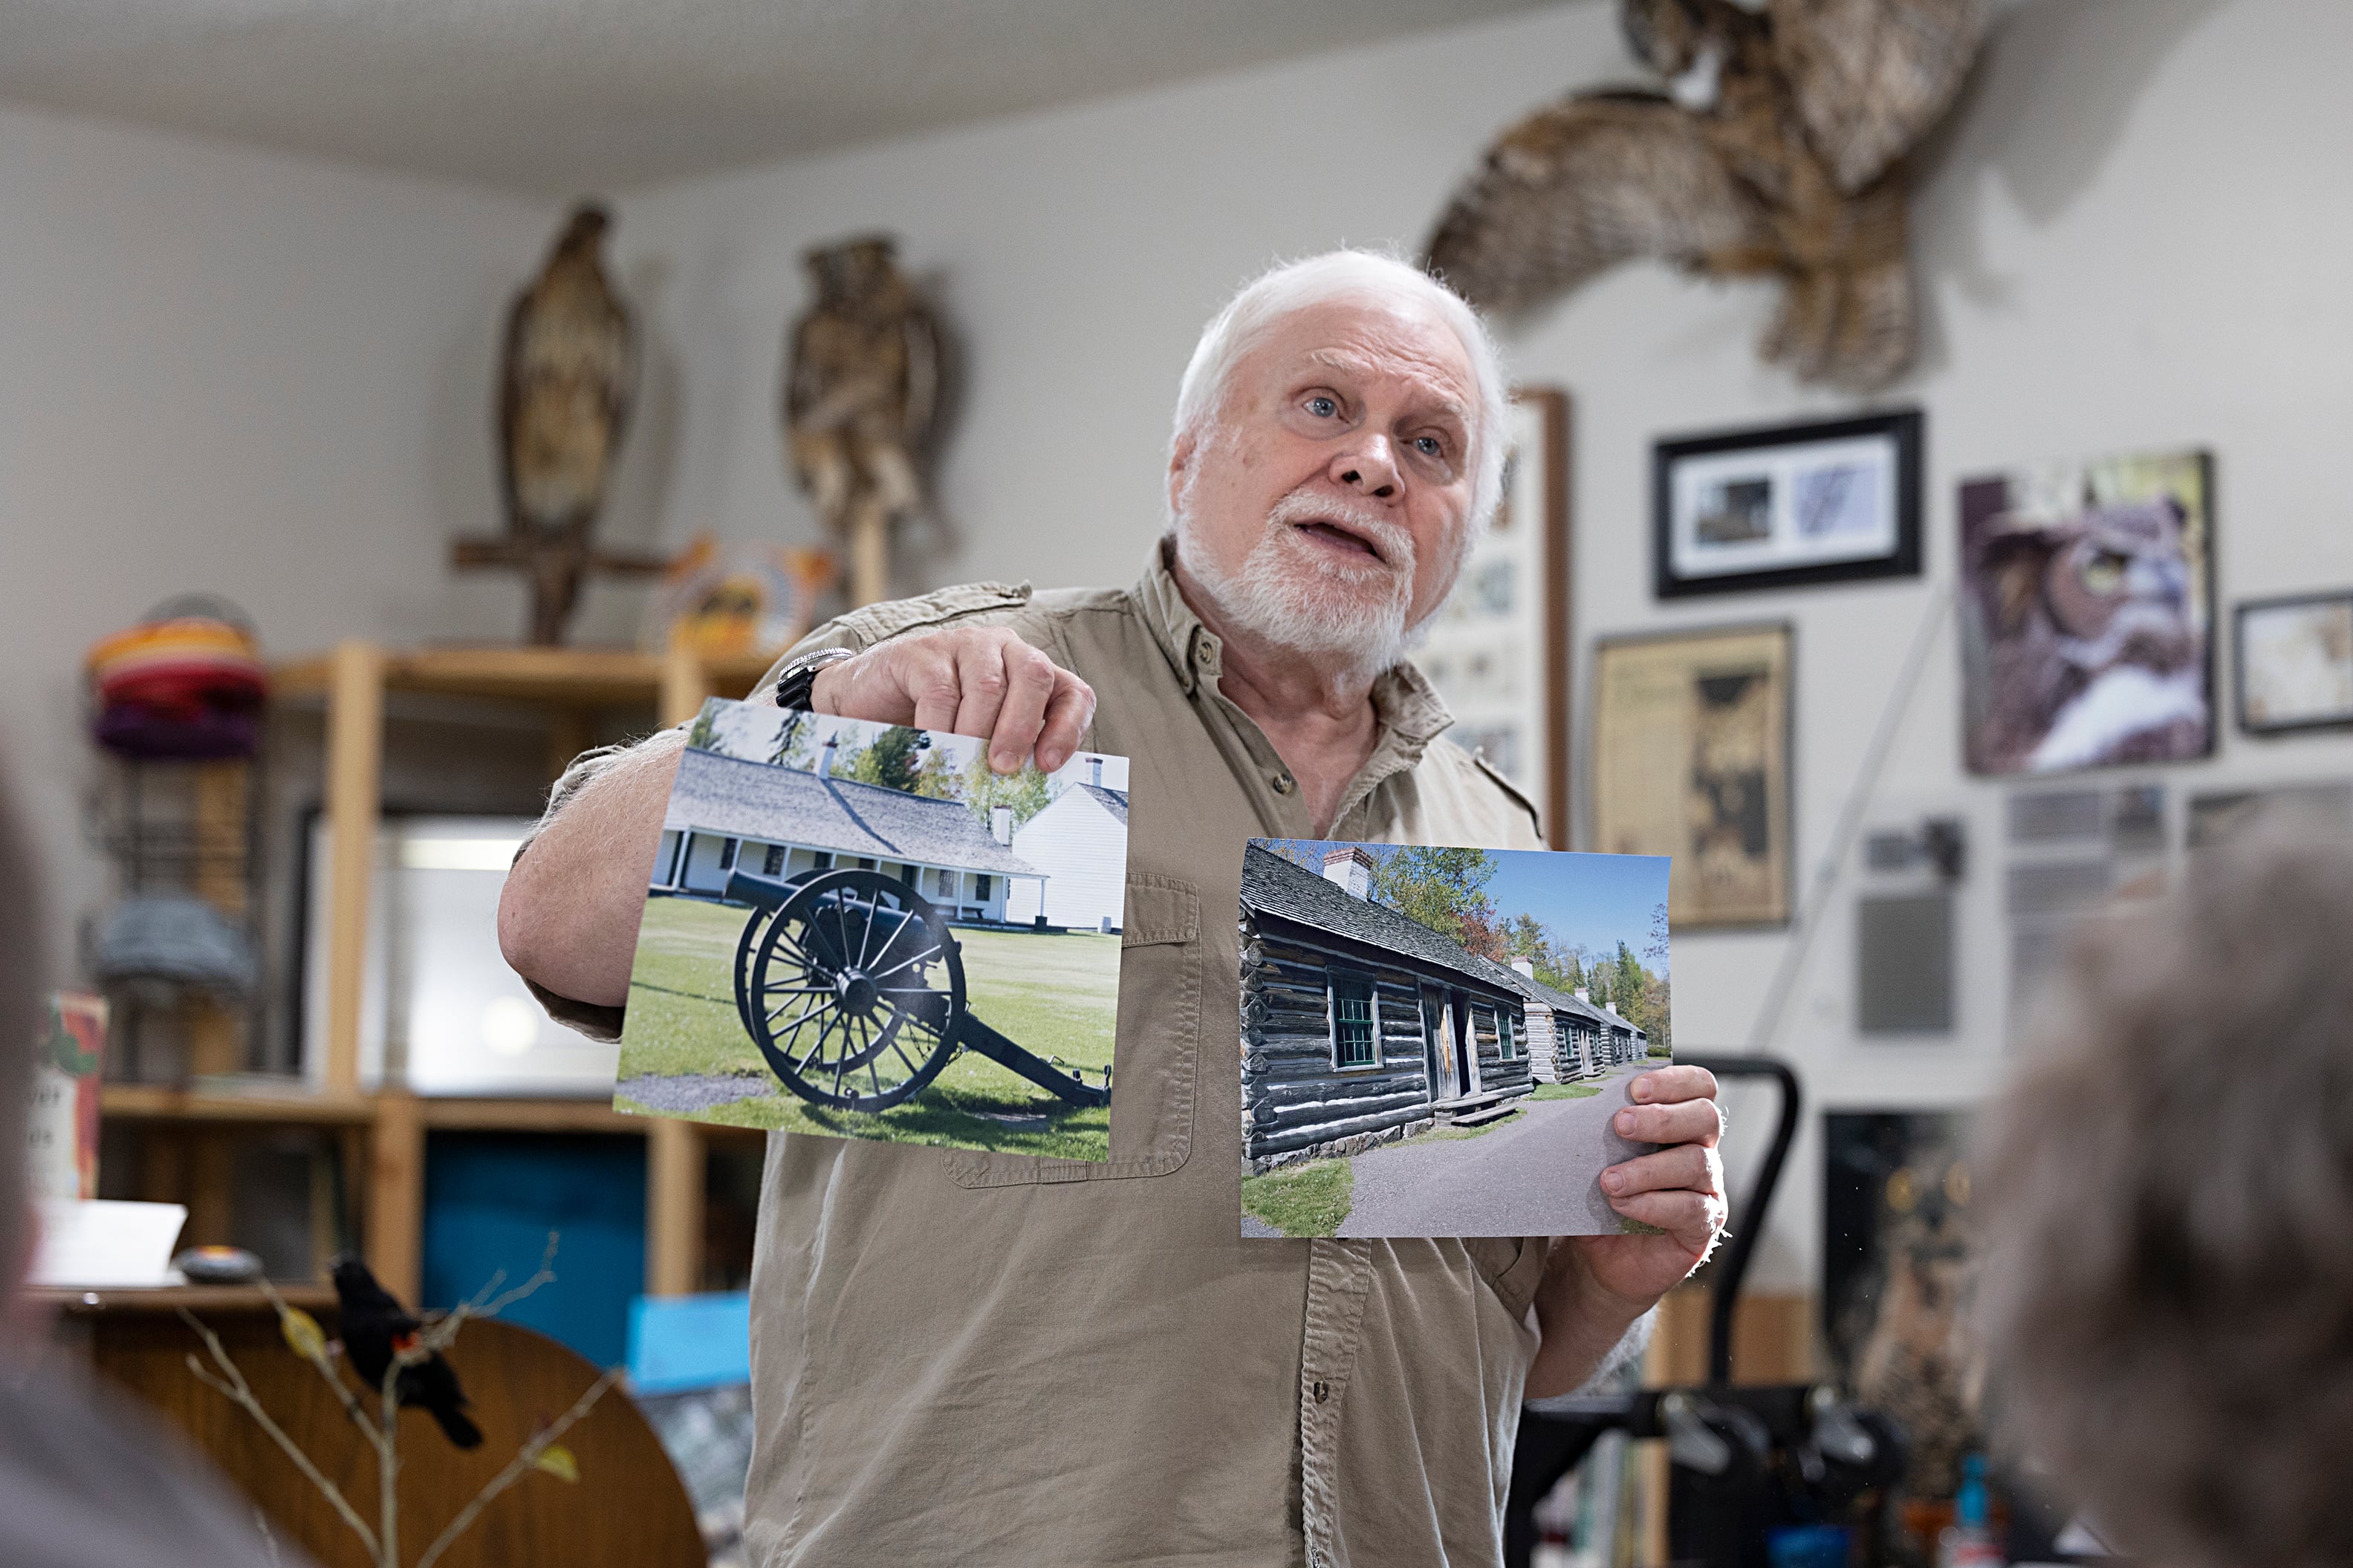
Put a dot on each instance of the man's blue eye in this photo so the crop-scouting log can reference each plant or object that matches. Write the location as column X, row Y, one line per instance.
column 1323, row 408
column 1430, row 447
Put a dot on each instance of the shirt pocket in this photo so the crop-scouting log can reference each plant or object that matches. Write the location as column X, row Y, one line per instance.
column 1158, row 1058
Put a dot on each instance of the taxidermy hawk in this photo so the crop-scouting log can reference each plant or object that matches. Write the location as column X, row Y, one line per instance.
column 564, row 388
column 1775, row 151
column 861, row 389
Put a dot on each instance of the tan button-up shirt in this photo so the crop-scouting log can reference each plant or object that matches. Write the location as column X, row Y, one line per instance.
column 987, row 1359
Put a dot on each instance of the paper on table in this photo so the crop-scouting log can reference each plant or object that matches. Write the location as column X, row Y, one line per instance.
column 104, row 1242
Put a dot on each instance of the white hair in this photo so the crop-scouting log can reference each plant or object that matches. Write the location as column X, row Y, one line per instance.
column 1349, row 274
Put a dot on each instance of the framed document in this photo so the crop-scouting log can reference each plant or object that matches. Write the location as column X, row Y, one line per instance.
column 1498, row 652
column 1787, row 507
column 1691, row 759
column 2295, row 663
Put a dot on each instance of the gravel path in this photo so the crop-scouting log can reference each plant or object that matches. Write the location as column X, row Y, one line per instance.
column 686, row 1093
column 1534, row 1177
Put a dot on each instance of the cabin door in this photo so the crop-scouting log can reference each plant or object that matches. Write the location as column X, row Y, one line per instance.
column 1466, row 1045
column 1437, row 1044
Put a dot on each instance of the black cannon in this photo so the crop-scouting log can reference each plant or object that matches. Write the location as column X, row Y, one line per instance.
column 852, row 986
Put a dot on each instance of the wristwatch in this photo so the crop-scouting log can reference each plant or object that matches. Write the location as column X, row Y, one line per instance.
column 797, row 682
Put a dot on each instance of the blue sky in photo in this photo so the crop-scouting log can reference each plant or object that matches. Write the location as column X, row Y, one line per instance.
column 1593, row 901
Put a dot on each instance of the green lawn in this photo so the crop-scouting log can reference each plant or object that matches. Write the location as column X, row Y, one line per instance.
column 1310, row 1199
column 1057, row 996
column 1566, row 1091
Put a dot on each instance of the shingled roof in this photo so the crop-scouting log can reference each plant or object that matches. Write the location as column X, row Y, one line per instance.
column 1113, row 800
column 716, row 793
column 1281, row 887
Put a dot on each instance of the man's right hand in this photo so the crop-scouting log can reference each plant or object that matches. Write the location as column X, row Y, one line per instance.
column 981, row 681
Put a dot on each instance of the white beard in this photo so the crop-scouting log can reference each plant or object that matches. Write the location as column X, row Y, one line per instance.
column 1298, row 596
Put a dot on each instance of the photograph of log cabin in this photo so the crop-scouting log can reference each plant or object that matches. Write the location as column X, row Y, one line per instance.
column 860, row 929
column 1433, row 1039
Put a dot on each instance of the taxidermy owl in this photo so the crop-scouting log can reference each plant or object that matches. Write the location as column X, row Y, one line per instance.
column 860, row 388
column 1775, row 152
column 565, row 390
column 2094, row 649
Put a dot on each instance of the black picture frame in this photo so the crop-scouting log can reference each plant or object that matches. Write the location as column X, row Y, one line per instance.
column 2249, row 722
column 1904, row 429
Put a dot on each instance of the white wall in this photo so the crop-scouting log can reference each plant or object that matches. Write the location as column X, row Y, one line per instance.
column 2134, row 238
column 236, row 371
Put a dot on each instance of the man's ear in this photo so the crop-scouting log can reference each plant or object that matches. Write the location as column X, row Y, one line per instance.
column 1180, row 467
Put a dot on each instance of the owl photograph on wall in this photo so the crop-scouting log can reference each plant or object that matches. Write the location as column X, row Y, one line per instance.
column 2087, row 614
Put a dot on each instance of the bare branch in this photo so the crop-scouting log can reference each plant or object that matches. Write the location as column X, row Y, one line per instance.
column 232, row 1383
column 524, row 1460
column 319, row 1360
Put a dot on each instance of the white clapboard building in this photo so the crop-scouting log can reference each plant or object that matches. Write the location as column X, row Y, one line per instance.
column 726, row 815
column 1080, row 842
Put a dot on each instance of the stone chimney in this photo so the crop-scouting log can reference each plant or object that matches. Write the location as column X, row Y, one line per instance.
column 1525, row 968
column 825, row 758
column 1351, row 867
column 1583, row 997
column 1000, row 824
column 1094, row 772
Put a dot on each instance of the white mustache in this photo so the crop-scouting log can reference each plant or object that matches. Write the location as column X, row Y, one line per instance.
column 1394, row 543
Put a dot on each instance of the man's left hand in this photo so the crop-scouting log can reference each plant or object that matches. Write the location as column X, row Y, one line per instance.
column 1679, row 1190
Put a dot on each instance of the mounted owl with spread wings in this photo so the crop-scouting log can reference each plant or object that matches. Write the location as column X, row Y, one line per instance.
column 1775, row 152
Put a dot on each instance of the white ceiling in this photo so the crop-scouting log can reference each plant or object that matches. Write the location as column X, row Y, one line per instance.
column 560, row 96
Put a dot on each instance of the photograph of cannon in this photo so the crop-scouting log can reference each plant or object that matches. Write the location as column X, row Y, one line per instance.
column 861, row 931
column 1434, row 1038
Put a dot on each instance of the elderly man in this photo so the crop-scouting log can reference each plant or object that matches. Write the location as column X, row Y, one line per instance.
column 992, row 1359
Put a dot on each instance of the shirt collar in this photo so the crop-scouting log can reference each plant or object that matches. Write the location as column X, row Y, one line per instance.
column 1407, row 705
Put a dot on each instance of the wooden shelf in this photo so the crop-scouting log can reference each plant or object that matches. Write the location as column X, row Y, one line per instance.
column 562, row 677
column 383, row 1134
column 306, row 1294
column 151, row 1102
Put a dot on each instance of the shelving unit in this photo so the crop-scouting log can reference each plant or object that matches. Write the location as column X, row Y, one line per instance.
column 382, row 1134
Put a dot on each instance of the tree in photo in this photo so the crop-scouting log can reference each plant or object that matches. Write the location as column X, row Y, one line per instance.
column 796, row 742
column 1028, row 792
column 1444, row 888
column 699, row 735
column 937, row 778
column 890, row 760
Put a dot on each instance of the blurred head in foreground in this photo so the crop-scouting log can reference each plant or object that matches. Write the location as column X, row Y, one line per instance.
column 2167, row 1294
column 23, row 1020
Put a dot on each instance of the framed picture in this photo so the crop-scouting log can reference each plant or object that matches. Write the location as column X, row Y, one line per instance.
column 1787, row 507
column 2295, row 662
column 1691, row 759
column 2086, row 604
column 1498, row 652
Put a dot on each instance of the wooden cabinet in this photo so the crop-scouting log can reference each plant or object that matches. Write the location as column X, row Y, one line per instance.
column 382, row 1135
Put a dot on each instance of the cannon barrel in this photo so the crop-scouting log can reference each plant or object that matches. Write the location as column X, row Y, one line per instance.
column 762, row 893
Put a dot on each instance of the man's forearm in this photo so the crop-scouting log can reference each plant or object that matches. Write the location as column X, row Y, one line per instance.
column 568, row 918
column 1581, row 1324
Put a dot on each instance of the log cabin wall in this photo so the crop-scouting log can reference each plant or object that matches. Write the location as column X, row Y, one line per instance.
column 1294, row 1098
column 1297, row 1102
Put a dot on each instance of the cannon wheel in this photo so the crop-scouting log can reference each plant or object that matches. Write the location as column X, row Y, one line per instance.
column 853, row 991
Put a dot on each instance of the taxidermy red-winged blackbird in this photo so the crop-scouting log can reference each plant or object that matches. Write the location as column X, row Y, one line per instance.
column 375, row 1326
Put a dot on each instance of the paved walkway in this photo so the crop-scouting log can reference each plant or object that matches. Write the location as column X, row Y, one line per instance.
column 1535, row 1177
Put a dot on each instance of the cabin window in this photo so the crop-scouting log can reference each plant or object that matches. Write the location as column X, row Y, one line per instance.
column 775, row 861
column 822, row 861
column 866, row 862
column 1355, row 1030
column 1507, row 1047
column 947, row 884
column 727, row 849
column 980, row 887
column 907, row 876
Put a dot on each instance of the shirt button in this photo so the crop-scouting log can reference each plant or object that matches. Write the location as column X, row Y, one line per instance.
column 1282, row 782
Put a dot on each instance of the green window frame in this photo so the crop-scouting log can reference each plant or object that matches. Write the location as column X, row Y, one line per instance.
column 1507, row 1048
column 1356, row 1022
